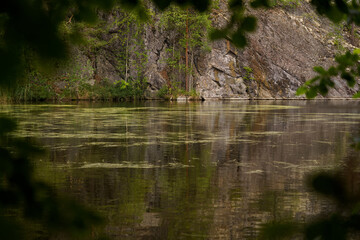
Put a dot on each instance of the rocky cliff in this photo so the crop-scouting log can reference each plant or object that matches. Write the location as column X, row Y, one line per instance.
column 289, row 41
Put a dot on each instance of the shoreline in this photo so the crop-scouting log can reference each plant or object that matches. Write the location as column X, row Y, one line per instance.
column 179, row 100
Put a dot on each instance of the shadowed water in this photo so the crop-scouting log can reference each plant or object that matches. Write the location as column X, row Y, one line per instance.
column 211, row 170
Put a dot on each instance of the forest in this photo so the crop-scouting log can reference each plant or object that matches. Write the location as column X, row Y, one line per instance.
column 77, row 134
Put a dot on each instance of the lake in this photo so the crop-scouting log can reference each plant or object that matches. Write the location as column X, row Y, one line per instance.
column 199, row 170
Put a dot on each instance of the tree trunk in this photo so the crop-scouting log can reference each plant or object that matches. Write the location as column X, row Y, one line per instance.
column 352, row 34
column 126, row 56
column 186, row 52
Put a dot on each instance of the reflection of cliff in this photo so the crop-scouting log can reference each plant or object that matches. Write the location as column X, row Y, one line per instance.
column 295, row 144
column 212, row 170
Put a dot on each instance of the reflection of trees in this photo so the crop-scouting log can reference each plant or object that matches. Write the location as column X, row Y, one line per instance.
column 236, row 152
column 178, row 201
column 278, row 162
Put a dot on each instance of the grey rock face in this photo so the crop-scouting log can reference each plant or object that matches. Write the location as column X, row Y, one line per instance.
column 278, row 59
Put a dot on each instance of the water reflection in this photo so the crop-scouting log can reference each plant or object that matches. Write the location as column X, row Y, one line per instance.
column 212, row 170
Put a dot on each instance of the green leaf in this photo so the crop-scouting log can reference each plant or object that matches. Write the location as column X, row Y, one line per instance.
column 342, row 6
column 281, row 230
column 200, row 5
column 320, row 70
column 356, row 95
column 249, row 24
column 260, row 3
column 142, row 14
column 161, row 4
column 301, row 90
column 11, row 229
column 235, row 4
column 311, row 93
column 6, row 125
column 311, row 81
column 239, row 39
column 334, row 15
column 333, row 71
column 329, row 228
column 322, row 88
column 356, row 51
column 356, row 208
column 330, row 83
column 329, row 185
column 349, row 79
column 217, row 34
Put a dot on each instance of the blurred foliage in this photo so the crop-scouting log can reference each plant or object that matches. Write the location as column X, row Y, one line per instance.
column 21, row 194
column 278, row 230
column 347, row 68
column 35, row 25
column 239, row 25
column 341, row 187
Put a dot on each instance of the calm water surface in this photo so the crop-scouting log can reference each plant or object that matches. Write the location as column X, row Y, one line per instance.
column 211, row 170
